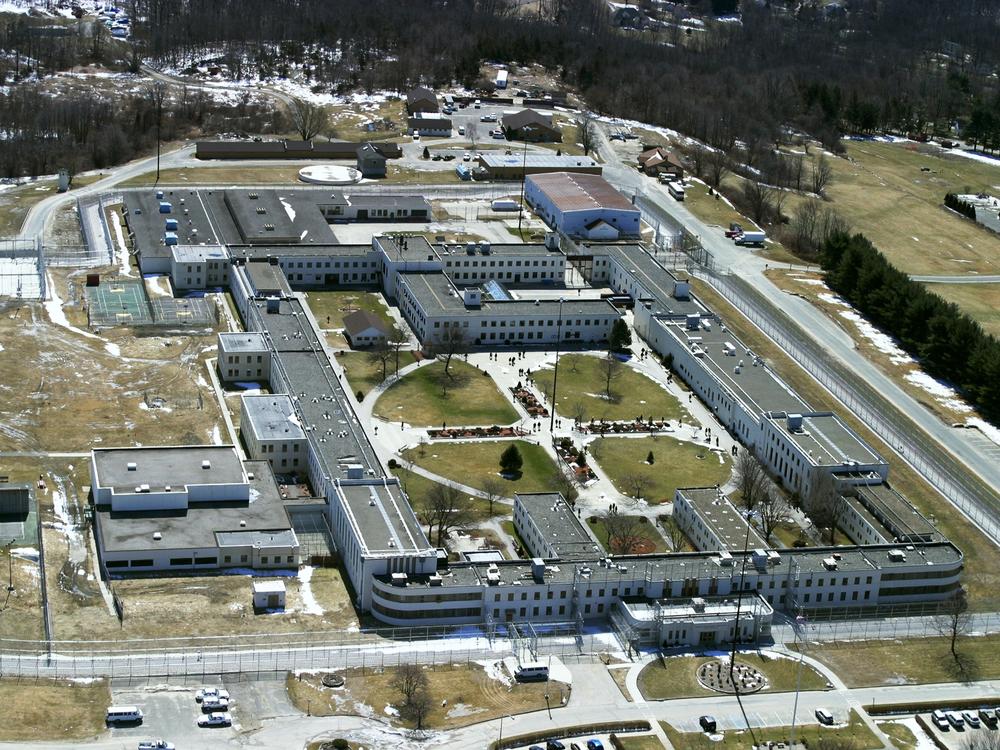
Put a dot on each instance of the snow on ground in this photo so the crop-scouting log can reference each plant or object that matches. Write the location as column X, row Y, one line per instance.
column 216, row 435
column 25, row 553
column 941, row 391
column 881, row 341
column 976, row 156
column 121, row 249
column 54, row 307
column 158, row 285
column 64, row 522
column 309, row 604
column 495, row 671
column 986, row 428
column 924, row 742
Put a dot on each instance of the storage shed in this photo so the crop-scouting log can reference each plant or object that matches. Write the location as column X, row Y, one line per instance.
column 268, row 595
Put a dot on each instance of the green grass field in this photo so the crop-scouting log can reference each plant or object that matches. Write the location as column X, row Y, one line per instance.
column 647, row 538
column 676, row 677
column 980, row 301
column 676, row 464
column 581, row 389
column 471, row 463
column 230, row 174
column 472, row 398
column 640, row 742
column 365, row 375
column 330, row 308
column 855, row 732
column 417, row 487
column 914, row 660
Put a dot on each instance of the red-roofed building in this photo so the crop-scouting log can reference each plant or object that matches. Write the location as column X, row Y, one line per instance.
column 574, row 203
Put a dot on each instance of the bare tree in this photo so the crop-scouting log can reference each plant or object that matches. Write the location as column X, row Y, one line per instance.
column 379, row 355
column 772, row 510
column 492, row 488
column 821, row 175
column 751, row 479
column 419, row 706
column 408, row 680
column 826, row 506
column 588, row 133
column 564, row 485
column 472, row 134
column 759, row 199
column 716, row 167
column 448, row 381
column 982, row 741
column 308, row 118
column 611, row 368
column 675, row 534
column 443, row 507
column 453, row 341
column 397, row 340
column 953, row 620
column 637, row 483
column 578, row 410
column 623, row 532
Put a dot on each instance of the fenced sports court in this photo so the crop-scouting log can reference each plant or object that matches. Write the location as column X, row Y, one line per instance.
column 124, row 302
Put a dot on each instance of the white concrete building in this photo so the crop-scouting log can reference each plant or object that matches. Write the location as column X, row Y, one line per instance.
column 570, row 203
column 244, row 356
column 271, row 432
column 199, row 266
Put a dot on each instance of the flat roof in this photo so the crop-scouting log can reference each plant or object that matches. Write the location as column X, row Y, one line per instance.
column 266, row 278
column 197, row 525
column 826, row 439
column 250, row 341
column 148, row 225
column 322, row 252
column 497, row 250
column 435, row 292
column 499, row 160
column 757, row 387
column 899, row 516
column 272, row 417
column 171, row 465
column 406, row 247
column 656, row 279
column 284, row 217
column 722, row 517
column 580, row 192
column 197, row 253
column 748, row 605
column 384, row 518
column 558, row 523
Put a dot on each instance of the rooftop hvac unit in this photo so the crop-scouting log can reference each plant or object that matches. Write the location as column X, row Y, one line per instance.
column 829, row 563
column 131, row 466
column 897, row 555
column 493, row 578
column 157, row 536
column 435, row 580
column 206, row 464
column 794, row 422
column 399, row 579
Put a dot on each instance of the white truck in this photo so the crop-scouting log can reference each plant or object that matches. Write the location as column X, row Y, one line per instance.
column 505, row 204
column 751, row 239
column 501, row 79
column 676, row 190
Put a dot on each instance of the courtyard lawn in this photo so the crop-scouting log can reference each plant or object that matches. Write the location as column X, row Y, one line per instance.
column 676, row 464
column 676, row 676
column 364, row 375
column 417, row 487
column 428, row 398
column 471, row 463
column 646, row 538
column 330, row 308
column 581, row 392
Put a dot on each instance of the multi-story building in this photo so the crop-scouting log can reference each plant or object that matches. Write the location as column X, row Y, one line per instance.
column 244, row 356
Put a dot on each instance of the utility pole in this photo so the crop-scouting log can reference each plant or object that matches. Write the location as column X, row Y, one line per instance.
column 10, row 566
column 555, row 372
column 524, row 174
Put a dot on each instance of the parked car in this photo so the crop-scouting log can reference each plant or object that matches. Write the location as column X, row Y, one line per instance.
column 824, row 716
column 941, row 722
column 971, row 718
column 214, row 703
column 554, row 745
column 708, row 723
column 466, row 156
column 988, row 716
column 595, row 744
column 956, row 720
column 211, row 692
column 488, row 118
column 217, row 719
column 155, row 745
column 735, row 230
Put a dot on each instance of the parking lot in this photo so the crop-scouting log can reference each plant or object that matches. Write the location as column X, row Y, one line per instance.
column 579, row 741
column 957, row 737
column 169, row 712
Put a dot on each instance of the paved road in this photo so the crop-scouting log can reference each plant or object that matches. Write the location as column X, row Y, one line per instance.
column 744, row 263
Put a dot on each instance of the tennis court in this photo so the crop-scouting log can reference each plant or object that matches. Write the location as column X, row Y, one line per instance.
column 118, row 302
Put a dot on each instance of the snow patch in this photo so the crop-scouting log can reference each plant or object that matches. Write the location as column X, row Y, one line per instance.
column 309, row 604
column 495, row 671
column 943, row 392
column 216, row 435
column 881, row 341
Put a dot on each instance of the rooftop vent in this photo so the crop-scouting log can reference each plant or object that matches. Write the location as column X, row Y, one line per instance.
column 897, row 555
column 157, row 536
column 131, row 466
column 206, row 464
column 243, row 524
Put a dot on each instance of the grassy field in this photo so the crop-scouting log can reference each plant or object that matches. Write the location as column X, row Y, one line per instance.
column 472, row 696
column 472, row 398
column 330, row 308
column 981, row 576
column 855, row 732
column 914, row 660
column 15, row 202
column 640, row 742
column 676, row 464
column 364, row 374
column 902, row 737
column 224, row 174
column 979, row 301
column 646, row 536
column 471, row 463
column 49, row 710
column 410, row 176
column 581, row 392
column 416, row 486
column 676, row 677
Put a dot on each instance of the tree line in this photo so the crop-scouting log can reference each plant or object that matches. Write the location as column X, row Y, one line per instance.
column 963, row 207
column 949, row 344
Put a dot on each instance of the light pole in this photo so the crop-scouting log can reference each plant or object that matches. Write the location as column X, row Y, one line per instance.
column 798, row 677
column 500, row 738
column 10, row 565
column 555, row 371
column 524, row 173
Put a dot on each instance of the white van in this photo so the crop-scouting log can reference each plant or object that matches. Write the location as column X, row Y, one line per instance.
column 532, row 671
column 123, row 715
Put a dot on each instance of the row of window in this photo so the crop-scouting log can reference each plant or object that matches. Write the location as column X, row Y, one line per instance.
column 502, row 264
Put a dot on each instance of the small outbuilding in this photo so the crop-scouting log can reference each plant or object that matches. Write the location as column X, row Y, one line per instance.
column 421, row 99
column 371, row 161
column 268, row 595
column 364, row 329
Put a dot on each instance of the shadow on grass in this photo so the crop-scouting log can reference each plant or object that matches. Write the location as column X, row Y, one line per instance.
column 964, row 668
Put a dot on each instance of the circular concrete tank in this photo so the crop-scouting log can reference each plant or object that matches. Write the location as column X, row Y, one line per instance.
column 329, row 174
